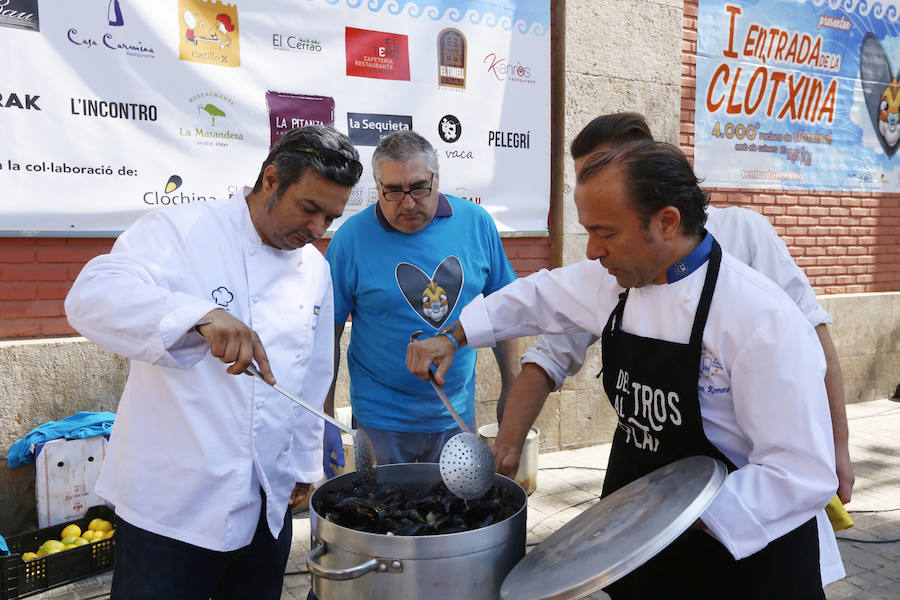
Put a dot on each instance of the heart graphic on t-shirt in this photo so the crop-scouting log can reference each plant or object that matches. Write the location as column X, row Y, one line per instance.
column 433, row 298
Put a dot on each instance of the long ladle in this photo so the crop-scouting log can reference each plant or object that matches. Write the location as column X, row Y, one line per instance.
column 466, row 462
column 363, row 451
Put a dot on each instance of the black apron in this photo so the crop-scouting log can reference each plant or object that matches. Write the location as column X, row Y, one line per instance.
column 652, row 385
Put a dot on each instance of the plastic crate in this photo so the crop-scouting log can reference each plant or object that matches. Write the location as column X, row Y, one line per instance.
column 20, row 578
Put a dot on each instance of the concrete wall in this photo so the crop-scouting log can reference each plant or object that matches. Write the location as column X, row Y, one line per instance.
column 618, row 56
column 40, row 381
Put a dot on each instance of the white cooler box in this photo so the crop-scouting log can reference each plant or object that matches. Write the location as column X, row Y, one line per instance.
column 64, row 475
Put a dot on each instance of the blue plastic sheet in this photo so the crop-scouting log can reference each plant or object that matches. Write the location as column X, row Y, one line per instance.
column 81, row 425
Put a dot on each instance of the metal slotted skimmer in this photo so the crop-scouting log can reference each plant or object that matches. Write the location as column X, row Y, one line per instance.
column 363, row 451
column 466, row 462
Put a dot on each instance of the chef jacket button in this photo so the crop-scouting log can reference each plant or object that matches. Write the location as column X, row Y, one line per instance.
column 300, row 306
column 255, row 299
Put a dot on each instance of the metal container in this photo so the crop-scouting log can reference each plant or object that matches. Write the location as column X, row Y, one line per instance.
column 527, row 474
column 349, row 564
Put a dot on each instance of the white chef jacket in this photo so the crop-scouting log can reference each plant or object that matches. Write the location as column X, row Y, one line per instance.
column 192, row 445
column 749, row 237
column 761, row 386
column 743, row 233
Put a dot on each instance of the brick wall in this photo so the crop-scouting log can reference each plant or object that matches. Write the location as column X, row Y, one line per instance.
column 846, row 242
column 36, row 274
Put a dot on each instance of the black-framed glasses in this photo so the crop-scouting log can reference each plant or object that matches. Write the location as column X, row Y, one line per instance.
column 332, row 158
column 419, row 193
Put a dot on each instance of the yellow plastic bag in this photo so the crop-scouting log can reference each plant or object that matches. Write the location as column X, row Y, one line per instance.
column 838, row 515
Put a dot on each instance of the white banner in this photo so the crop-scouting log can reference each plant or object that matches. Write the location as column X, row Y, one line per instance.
column 111, row 108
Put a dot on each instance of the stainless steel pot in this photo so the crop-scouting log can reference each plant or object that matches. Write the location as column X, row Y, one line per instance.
column 350, row 564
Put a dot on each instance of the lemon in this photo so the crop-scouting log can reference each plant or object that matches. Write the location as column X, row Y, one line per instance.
column 109, row 534
column 94, row 522
column 88, row 535
column 72, row 530
column 55, row 550
column 54, row 545
column 40, row 552
column 29, row 556
column 68, row 540
column 103, row 526
column 79, row 541
column 69, row 546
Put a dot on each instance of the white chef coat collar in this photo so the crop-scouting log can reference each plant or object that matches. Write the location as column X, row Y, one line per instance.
column 691, row 262
column 240, row 214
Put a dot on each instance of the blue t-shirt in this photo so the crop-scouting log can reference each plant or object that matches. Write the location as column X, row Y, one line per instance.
column 395, row 283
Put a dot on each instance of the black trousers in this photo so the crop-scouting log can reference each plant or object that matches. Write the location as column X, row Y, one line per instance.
column 697, row 567
column 152, row 567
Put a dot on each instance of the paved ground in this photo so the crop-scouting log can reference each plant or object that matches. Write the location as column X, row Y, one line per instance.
column 569, row 482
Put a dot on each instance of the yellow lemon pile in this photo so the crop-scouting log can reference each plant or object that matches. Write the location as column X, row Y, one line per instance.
column 71, row 537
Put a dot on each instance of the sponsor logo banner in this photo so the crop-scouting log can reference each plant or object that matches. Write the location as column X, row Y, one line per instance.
column 451, row 51
column 503, row 69
column 216, row 124
column 171, row 194
column 366, row 129
column 19, row 100
column 112, row 109
column 509, row 139
column 21, row 14
column 294, row 43
column 288, row 111
column 377, row 54
column 111, row 40
column 449, row 128
column 208, row 33
column 361, row 197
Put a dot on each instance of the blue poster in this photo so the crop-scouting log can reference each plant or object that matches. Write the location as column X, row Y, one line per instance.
column 798, row 95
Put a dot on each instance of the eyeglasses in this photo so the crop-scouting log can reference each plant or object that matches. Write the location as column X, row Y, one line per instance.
column 419, row 193
column 332, row 158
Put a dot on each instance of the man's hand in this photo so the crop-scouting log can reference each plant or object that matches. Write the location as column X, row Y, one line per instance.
column 506, row 458
column 436, row 351
column 299, row 495
column 231, row 341
column 332, row 444
column 846, row 479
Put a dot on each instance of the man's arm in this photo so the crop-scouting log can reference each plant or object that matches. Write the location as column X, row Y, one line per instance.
column 329, row 399
column 332, row 445
column 507, row 356
column 526, row 399
column 834, row 386
column 130, row 300
column 752, row 239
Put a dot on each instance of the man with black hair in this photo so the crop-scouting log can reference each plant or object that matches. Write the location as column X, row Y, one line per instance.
column 746, row 235
column 203, row 465
column 702, row 355
column 743, row 233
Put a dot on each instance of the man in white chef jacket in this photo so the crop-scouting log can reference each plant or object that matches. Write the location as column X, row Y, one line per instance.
column 668, row 304
column 746, row 235
column 204, row 462
column 743, row 233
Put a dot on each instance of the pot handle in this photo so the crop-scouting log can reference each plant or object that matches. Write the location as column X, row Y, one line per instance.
column 373, row 564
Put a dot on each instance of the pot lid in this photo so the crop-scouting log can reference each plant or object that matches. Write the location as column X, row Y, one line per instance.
column 617, row 534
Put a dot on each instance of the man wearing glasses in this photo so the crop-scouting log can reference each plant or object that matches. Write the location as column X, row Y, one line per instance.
column 410, row 262
column 203, row 464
